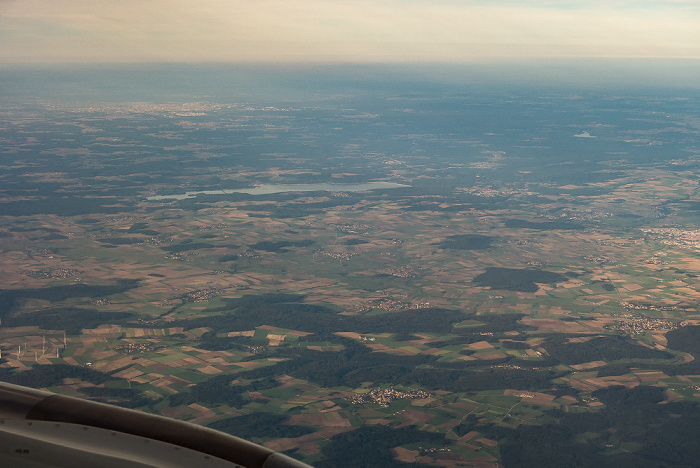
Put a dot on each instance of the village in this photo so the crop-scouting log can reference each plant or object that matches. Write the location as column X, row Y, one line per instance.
column 385, row 397
column 635, row 324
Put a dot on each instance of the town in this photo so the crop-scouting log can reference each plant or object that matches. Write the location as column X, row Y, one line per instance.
column 385, row 397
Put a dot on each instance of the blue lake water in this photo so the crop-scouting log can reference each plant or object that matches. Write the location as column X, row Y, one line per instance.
column 281, row 188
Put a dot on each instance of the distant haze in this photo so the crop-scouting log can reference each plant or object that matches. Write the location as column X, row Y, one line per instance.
column 392, row 31
column 85, row 84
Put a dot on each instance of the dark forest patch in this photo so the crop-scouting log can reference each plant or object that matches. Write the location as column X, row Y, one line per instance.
column 601, row 348
column 370, row 447
column 288, row 311
column 280, row 246
column 65, row 206
column 355, row 241
column 664, row 436
column 260, row 425
column 61, row 293
column 186, row 246
column 543, row 225
column 41, row 376
column 467, row 242
column 228, row 258
column 470, row 378
column 122, row 240
column 70, row 319
column 54, row 236
column 685, row 339
column 513, row 279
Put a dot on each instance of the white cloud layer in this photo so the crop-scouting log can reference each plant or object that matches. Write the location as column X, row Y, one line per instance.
column 343, row 30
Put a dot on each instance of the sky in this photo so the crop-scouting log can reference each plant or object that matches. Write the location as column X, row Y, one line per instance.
column 374, row 31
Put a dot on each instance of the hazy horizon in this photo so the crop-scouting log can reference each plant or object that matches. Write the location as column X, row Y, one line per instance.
column 162, row 82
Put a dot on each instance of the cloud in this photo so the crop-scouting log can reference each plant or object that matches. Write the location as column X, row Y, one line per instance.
column 347, row 30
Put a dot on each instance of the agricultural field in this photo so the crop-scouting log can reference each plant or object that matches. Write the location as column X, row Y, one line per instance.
column 497, row 291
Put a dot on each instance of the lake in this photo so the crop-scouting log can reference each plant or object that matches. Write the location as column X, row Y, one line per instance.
column 281, row 188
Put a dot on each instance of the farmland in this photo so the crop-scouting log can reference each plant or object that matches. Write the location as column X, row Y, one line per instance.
column 454, row 318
